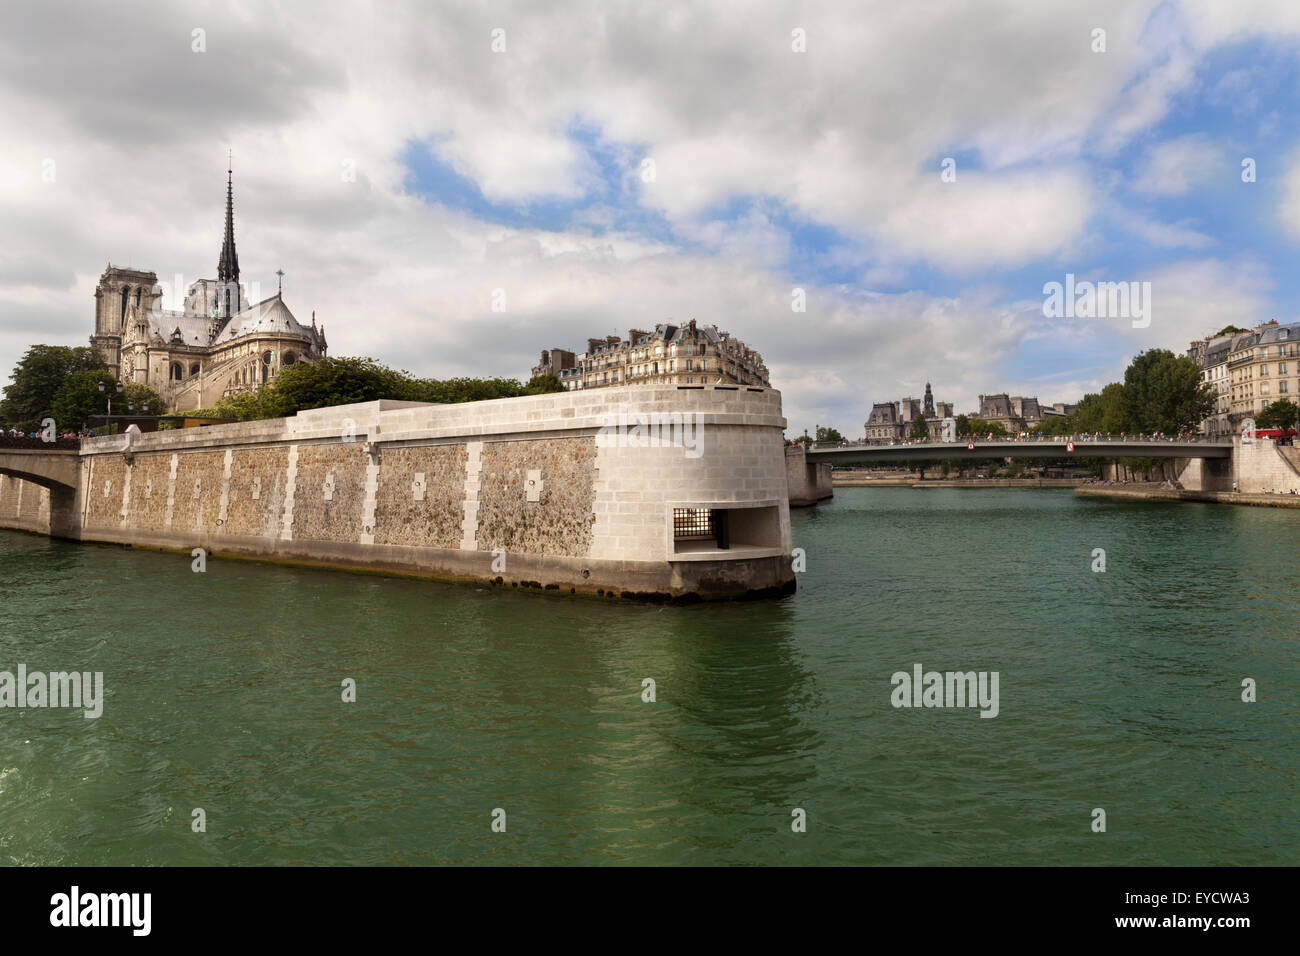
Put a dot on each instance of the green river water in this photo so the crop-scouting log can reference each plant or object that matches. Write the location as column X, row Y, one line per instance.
column 1118, row 690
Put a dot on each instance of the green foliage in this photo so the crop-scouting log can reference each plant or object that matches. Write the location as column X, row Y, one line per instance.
column 79, row 397
column 1280, row 414
column 144, row 398
column 1163, row 392
column 1102, row 412
column 344, row 381
column 1227, row 329
column 920, row 430
column 332, row 381
column 244, row 407
column 981, row 427
column 1056, row 425
column 825, row 433
column 963, row 425
column 543, row 384
column 38, row 376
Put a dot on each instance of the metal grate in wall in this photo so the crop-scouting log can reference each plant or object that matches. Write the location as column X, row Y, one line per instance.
column 693, row 523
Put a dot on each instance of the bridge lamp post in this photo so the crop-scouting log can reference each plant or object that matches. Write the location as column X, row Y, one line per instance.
column 110, row 399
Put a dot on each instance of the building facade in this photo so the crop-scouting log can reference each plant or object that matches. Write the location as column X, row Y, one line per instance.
column 1248, row 370
column 217, row 345
column 893, row 421
column 688, row 354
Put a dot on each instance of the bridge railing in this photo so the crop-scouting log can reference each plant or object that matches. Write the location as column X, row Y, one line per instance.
column 26, row 442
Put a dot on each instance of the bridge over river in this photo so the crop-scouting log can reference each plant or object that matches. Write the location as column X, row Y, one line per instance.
column 869, row 454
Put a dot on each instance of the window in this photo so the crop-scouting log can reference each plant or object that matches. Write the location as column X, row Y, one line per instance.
column 1281, row 386
column 194, row 369
column 1263, row 389
column 690, row 365
column 1281, row 368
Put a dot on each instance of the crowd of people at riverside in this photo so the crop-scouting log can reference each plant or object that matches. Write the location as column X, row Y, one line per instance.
column 38, row 434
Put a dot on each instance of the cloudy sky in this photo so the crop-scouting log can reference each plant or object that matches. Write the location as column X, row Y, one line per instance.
column 612, row 165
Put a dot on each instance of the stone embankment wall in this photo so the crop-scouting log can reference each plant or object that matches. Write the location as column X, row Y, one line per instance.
column 1256, row 467
column 807, row 482
column 573, row 491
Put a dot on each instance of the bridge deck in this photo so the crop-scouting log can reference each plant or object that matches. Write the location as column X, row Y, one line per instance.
column 1102, row 448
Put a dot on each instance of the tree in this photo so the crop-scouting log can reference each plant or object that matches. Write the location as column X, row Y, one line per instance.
column 1280, row 414
column 79, row 397
column 543, row 384
column 38, row 376
column 920, row 430
column 1103, row 411
column 1056, row 425
column 144, row 398
column 244, row 407
column 825, row 433
column 1226, row 330
column 980, row 427
column 1164, row 392
column 333, row 381
column 963, row 425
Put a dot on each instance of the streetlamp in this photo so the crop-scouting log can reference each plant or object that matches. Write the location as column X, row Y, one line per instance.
column 118, row 389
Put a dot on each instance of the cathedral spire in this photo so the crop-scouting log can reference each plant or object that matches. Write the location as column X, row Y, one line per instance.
column 228, row 266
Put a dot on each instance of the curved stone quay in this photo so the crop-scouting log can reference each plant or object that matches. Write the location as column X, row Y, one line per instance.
column 643, row 492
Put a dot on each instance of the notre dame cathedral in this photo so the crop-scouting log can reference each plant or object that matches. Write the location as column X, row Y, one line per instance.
column 218, row 345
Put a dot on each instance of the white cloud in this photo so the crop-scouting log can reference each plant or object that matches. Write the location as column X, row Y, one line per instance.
column 1174, row 167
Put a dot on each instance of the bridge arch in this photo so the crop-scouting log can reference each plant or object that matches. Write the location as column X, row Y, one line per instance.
column 56, row 469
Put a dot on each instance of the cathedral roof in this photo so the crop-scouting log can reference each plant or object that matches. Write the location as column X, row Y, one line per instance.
column 193, row 328
column 270, row 316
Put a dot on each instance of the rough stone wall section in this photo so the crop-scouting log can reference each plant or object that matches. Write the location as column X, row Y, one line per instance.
column 559, row 519
column 150, row 479
column 469, row 504
column 104, row 494
column 430, row 515
column 329, row 491
column 197, row 498
column 256, row 492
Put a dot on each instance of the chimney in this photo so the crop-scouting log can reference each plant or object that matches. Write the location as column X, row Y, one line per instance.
column 593, row 344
